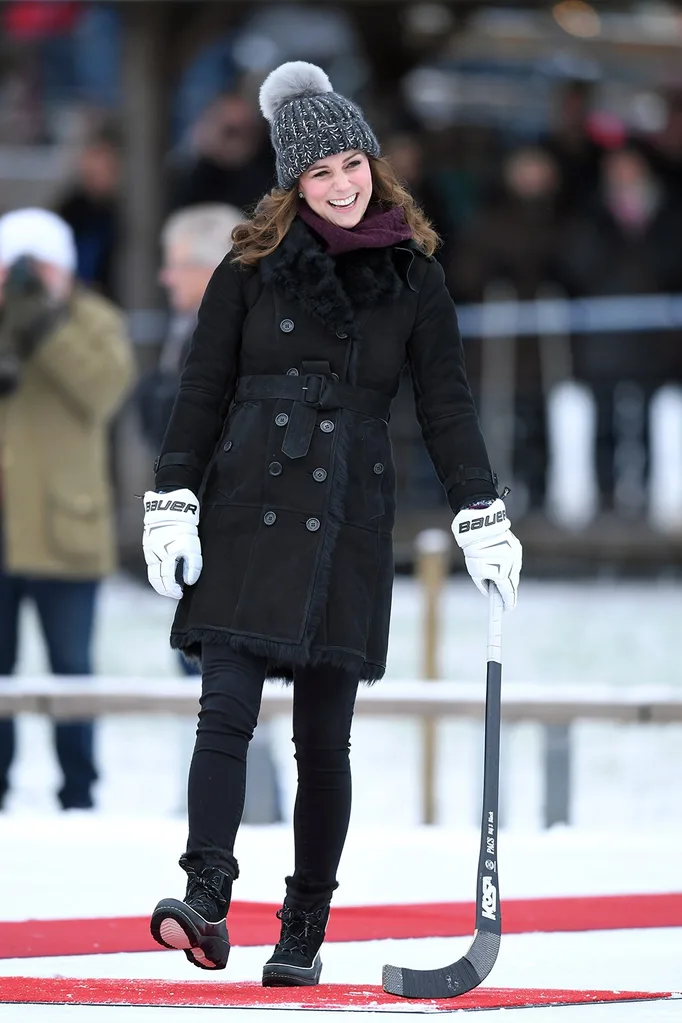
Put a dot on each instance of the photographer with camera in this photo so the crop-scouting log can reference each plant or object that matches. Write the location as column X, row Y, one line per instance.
column 65, row 365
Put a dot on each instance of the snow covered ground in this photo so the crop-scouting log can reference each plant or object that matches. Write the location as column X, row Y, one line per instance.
column 625, row 783
column 99, row 865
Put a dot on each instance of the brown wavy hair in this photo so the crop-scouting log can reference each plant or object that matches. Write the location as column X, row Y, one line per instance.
column 275, row 213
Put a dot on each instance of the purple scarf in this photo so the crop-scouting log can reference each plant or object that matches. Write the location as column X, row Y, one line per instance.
column 377, row 230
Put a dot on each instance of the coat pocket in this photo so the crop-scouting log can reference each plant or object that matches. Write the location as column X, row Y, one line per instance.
column 75, row 524
column 375, row 457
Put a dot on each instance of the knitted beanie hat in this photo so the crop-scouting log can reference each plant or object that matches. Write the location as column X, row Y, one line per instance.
column 309, row 121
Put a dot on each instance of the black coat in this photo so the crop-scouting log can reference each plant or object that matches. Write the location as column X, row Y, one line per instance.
column 297, row 547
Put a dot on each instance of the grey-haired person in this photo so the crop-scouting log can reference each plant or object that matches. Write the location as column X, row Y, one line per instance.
column 272, row 517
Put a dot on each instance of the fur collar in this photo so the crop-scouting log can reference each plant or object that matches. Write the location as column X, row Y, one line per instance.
column 332, row 290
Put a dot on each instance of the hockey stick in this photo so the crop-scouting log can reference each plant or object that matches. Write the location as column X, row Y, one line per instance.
column 472, row 968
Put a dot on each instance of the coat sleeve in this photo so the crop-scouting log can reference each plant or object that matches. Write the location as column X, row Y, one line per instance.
column 207, row 383
column 444, row 404
column 89, row 359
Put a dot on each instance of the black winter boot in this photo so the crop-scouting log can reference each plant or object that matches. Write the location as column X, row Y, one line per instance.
column 296, row 959
column 197, row 924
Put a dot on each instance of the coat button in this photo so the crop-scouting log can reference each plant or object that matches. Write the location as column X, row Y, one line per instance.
column 293, row 372
column 341, row 334
column 227, row 446
column 269, row 518
column 320, row 475
column 282, row 419
column 312, row 525
column 378, row 468
column 286, row 325
column 326, row 426
column 275, row 468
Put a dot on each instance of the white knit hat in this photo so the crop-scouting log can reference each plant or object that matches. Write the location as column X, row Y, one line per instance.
column 37, row 233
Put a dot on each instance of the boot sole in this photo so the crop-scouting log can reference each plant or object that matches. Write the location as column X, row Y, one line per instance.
column 283, row 975
column 172, row 927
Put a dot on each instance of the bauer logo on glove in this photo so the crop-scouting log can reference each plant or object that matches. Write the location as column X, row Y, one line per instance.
column 479, row 523
column 176, row 506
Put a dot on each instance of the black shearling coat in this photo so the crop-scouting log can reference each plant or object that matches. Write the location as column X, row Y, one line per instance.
column 297, row 546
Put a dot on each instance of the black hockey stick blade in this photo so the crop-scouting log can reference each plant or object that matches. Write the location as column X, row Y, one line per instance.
column 468, row 972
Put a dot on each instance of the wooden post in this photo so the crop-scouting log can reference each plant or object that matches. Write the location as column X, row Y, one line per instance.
column 144, row 116
column 433, row 547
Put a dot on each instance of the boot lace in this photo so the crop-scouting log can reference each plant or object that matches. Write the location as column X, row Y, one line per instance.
column 297, row 927
column 205, row 896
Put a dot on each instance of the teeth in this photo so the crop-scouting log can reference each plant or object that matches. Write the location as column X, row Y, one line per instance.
column 343, row 202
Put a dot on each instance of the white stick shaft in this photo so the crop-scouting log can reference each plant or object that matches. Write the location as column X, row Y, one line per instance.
column 495, row 609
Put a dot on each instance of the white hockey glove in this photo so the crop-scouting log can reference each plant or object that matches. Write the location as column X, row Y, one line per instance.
column 170, row 541
column 491, row 551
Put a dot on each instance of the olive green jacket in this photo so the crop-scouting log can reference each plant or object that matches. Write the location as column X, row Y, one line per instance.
column 57, row 508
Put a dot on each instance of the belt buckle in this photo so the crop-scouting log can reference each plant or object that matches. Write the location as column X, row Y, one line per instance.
column 313, row 389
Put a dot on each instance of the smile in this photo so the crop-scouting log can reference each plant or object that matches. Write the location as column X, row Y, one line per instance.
column 344, row 203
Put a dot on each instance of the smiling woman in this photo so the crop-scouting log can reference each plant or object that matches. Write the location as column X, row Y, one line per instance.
column 284, row 568
column 338, row 188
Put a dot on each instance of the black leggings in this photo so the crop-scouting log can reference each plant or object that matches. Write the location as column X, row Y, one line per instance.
column 324, row 698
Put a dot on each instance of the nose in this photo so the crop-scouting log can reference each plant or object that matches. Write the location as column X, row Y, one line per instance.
column 341, row 182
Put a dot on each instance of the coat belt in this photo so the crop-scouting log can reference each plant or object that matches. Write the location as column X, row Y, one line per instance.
column 311, row 393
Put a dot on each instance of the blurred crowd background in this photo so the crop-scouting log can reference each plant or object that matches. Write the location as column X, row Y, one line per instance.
column 544, row 140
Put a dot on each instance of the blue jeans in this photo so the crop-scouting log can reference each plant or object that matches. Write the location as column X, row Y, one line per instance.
column 66, row 609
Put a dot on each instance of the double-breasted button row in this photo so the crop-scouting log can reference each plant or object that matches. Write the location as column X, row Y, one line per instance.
column 287, row 325
column 227, row 446
column 312, row 524
column 281, row 419
column 275, row 468
column 326, row 426
column 341, row 334
column 320, row 475
column 293, row 372
column 378, row 468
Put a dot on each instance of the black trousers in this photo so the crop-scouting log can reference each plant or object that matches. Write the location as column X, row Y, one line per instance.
column 324, row 699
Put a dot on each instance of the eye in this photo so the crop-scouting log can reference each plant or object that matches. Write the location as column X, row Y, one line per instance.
column 354, row 163
column 319, row 174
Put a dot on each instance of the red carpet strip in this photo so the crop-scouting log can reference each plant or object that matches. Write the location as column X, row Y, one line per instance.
column 68, row 991
column 254, row 923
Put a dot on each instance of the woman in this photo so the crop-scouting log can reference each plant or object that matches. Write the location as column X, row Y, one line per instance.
column 279, row 436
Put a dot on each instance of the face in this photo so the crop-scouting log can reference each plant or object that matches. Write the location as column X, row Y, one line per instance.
column 338, row 188
column 624, row 170
column 99, row 169
column 183, row 278
column 57, row 282
column 230, row 132
column 531, row 174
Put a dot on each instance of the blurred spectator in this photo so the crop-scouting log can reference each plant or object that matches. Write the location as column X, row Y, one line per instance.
column 91, row 210
column 665, row 147
column 406, row 153
column 194, row 242
column 513, row 240
column 232, row 164
column 627, row 242
column 570, row 142
column 65, row 364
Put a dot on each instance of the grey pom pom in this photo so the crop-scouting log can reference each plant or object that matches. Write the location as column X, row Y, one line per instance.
column 289, row 81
